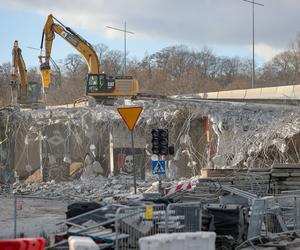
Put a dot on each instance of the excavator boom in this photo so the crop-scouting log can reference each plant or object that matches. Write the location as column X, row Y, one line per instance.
column 23, row 92
column 76, row 41
column 19, row 69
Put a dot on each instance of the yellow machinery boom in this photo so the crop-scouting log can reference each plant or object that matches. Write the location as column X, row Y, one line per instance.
column 19, row 70
column 24, row 93
column 98, row 85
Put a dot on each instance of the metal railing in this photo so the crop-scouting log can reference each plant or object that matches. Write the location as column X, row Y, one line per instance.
column 37, row 216
column 184, row 217
column 274, row 214
column 141, row 221
column 120, row 227
column 133, row 223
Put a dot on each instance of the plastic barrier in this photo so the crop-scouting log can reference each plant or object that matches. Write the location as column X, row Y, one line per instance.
column 23, row 244
column 179, row 241
column 12, row 245
column 34, row 243
column 81, row 243
column 178, row 188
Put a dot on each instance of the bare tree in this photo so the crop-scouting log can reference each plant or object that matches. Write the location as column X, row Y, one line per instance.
column 74, row 65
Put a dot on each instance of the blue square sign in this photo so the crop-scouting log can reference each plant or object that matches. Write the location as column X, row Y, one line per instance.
column 159, row 167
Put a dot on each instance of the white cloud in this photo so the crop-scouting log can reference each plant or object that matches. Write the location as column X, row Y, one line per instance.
column 205, row 22
column 266, row 52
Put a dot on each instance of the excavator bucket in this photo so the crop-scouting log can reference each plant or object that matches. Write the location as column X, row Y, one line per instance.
column 46, row 78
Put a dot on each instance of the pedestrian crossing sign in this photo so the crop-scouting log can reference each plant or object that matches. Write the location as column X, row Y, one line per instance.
column 159, row 167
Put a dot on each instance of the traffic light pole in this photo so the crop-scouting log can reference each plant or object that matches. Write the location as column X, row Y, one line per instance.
column 133, row 161
column 161, row 149
column 160, row 189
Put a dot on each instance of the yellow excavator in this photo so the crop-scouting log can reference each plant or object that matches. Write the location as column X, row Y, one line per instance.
column 98, row 85
column 24, row 93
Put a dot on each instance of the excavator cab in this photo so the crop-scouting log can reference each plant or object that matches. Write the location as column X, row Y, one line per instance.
column 99, row 83
column 100, row 86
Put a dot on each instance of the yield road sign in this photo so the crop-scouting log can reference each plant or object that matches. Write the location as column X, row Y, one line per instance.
column 159, row 167
column 130, row 115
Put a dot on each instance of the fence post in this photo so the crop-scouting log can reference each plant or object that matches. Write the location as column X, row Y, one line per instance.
column 167, row 218
column 297, row 208
column 200, row 217
column 15, row 216
column 117, row 228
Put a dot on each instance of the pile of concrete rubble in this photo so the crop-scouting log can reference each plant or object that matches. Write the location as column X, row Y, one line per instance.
column 242, row 136
column 89, row 189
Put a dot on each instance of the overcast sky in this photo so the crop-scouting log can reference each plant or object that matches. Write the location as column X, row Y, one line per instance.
column 223, row 25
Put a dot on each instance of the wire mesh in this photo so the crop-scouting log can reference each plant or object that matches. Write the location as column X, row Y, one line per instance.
column 37, row 217
column 274, row 214
column 183, row 217
column 282, row 214
column 137, row 222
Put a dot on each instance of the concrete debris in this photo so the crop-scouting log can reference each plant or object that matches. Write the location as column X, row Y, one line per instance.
column 242, row 136
column 284, row 240
column 92, row 170
column 90, row 189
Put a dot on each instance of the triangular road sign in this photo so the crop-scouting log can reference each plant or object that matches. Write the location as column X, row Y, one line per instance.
column 130, row 115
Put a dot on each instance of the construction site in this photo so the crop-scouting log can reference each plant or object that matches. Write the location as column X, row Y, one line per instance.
column 122, row 167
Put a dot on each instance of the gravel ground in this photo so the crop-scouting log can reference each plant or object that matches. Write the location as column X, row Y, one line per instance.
column 34, row 216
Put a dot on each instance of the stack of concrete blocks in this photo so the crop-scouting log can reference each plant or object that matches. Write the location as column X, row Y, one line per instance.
column 285, row 177
column 179, row 241
column 220, row 176
column 252, row 180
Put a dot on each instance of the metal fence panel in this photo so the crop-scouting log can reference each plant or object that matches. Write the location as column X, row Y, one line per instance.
column 274, row 214
column 36, row 216
column 137, row 222
column 281, row 214
column 256, row 218
column 184, row 217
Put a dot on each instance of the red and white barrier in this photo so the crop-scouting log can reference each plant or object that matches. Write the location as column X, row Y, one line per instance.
column 178, row 188
column 23, row 244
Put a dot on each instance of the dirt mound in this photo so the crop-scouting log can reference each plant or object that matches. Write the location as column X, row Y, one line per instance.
column 35, row 177
column 76, row 169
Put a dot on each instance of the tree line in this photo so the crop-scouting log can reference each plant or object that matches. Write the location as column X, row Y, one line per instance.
column 172, row 70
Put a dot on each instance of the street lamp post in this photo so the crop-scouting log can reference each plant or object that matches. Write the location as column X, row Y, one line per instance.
column 253, row 55
column 125, row 37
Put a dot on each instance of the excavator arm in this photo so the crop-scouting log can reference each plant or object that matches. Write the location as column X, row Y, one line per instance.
column 19, row 69
column 76, row 41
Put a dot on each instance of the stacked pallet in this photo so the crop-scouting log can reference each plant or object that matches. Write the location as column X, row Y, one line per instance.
column 252, row 180
column 255, row 180
column 285, row 177
column 211, row 173
column 217, row 176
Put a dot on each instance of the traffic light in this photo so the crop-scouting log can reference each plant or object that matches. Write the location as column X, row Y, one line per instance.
column 155, row 141
column 160, row 141
column 163, row 142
